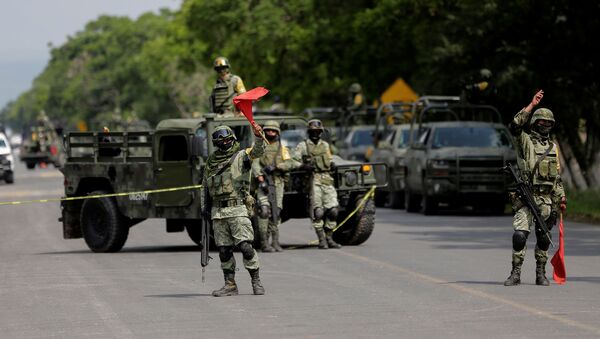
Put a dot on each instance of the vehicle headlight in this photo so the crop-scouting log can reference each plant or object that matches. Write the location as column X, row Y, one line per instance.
column 351, row 178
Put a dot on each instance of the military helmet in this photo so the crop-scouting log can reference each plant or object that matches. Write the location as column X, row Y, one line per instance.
column 221, row 62
column 315, row 124
column 541, row 114
column 485, row 73
column 272, row 125
column 355, row 88
column 222, row 135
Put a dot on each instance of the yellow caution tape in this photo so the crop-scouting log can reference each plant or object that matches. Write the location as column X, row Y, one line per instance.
column 160, row 190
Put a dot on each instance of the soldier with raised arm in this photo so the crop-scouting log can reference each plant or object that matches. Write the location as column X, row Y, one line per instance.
column 227, row 178
column 538, row 162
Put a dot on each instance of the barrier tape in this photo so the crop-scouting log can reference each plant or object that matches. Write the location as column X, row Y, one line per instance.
column 160, row 190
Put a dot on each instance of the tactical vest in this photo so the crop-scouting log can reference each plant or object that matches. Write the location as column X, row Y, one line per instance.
column 320, row 154
column 223, row 187
column 547, row 169
column 223, row 94
column 273, row 154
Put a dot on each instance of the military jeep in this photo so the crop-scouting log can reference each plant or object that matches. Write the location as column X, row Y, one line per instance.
column 174, row 155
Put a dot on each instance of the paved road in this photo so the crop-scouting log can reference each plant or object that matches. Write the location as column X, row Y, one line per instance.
column 416, row 277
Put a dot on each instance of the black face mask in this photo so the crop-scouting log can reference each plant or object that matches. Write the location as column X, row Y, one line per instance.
column 543, row 130
column 224, row 144
column 272, row 137
column 314, row 135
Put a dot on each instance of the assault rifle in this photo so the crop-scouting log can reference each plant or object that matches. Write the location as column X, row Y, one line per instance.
column 524, row 194
column 307, row 161
column 205, row 232
column 272, row 197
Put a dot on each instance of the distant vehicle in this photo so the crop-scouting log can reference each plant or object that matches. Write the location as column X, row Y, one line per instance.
column 43, row 144
column 7, row 161
column 456, row 163
column 356, row 143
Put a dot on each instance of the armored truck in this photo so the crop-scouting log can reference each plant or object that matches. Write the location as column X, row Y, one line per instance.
column 173, row 155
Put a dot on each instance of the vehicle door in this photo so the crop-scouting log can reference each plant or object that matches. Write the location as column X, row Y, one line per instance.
column 172, row 168
column 416, row 160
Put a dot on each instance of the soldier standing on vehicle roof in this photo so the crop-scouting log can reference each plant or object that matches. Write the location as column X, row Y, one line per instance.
column 227, row 181
column 226, row 87
column 270, row 171
column 314, row 155
column 538, row 161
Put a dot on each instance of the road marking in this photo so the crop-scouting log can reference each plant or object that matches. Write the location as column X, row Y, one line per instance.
column 477, row 293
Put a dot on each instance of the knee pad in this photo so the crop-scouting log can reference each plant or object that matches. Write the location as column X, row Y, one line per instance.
column 225, row 253
column 332, row 214
column 319, row 213
column 263, row 211
column 247, row 250
column 543, row 242
column 519, row 240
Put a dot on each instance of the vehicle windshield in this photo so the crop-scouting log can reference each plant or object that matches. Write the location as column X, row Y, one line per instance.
column 403, row 138
column 2, row 143
column 362, row 138
column 292, row 137
column 470, row 137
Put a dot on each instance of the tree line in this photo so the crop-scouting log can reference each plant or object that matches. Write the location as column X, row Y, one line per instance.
column 309, row 51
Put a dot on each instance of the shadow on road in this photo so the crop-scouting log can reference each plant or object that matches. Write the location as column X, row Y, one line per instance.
column 183, row 295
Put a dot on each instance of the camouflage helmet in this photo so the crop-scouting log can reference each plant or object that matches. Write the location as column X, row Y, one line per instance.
column 222, row 133
column 272, row 125
column 355, row 88
column 221, row 62
column 541, row 114
column 315, row 124
column 485, row 74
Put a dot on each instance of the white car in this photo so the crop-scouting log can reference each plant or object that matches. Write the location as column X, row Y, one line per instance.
column 7, row 162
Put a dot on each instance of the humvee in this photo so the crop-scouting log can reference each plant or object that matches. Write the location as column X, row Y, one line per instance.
column 174, row 155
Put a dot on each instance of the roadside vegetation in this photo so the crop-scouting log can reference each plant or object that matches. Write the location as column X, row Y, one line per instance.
column 584, row 205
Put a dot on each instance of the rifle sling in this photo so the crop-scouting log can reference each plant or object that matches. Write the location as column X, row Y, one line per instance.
column 539, row 160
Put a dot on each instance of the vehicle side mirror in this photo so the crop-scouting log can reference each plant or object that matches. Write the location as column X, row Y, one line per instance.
column 199, row 146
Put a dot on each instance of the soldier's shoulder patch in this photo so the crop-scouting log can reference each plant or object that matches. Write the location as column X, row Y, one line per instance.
column 285, row 153
column 248, row 150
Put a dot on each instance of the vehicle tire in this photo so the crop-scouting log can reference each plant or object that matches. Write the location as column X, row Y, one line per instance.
column 411, row 201
column 9, row 177
column 381, row 198
column 102, row 225
column 395, row 200
column 428, row 204
column 30, row 165
column 359, row 227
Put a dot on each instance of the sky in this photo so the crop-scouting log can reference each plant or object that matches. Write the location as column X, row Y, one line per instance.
column 27, row 26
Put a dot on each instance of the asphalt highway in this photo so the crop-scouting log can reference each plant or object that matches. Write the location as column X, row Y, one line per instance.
column 416, row 277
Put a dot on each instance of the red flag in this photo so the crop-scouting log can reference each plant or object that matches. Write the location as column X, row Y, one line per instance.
column 243, row 102
column 558, row 260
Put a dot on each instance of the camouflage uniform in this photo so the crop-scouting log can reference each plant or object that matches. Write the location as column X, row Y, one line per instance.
column 316, row 154
column 538, row 161
column 229, row 191
column 226, row 87
column 278, row 158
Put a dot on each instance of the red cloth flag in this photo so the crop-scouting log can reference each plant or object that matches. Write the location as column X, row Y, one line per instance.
column 243, row 102
column 558, row 260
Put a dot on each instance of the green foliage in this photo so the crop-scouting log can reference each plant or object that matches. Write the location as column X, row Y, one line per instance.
column 584, row 205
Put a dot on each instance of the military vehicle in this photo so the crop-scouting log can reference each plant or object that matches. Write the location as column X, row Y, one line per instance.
column 358, row 140
column 173, row 155
column 454, row 158
column 7, row 162
column 43, row 144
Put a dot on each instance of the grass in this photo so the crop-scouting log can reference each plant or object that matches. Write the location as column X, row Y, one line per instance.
column 584, row 206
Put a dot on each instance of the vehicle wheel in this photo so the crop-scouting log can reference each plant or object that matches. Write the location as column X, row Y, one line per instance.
column 102, row 225
column 380, row 198
column 9, row 177
column 30, row 165
column 359, row 228
column 395, row 200
column 411, row 202
column 428, row 204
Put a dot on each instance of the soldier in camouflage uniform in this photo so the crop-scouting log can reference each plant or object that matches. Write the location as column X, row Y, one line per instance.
column 538, row 161
column 314, row 154
column 227, row 181
column 276, row 162
column 227, row 87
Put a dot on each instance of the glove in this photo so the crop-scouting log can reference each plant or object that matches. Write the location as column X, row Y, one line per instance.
column 263, row 186
column 563, row 204
column 269, row 169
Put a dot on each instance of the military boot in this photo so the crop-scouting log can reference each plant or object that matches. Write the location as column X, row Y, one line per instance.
column 322, row 240
column 264, row 240
column 257, row 287
column 540, row 273
column 330, row 241
column 515, row 275
column 230, row 288
column 275, row 243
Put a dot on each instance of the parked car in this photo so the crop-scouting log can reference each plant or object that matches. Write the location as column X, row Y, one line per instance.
column 7, row 161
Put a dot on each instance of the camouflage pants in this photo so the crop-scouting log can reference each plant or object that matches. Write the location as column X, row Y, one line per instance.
column 265, row 224
column 325, row 197
column 231, row 232
column 523, row 221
